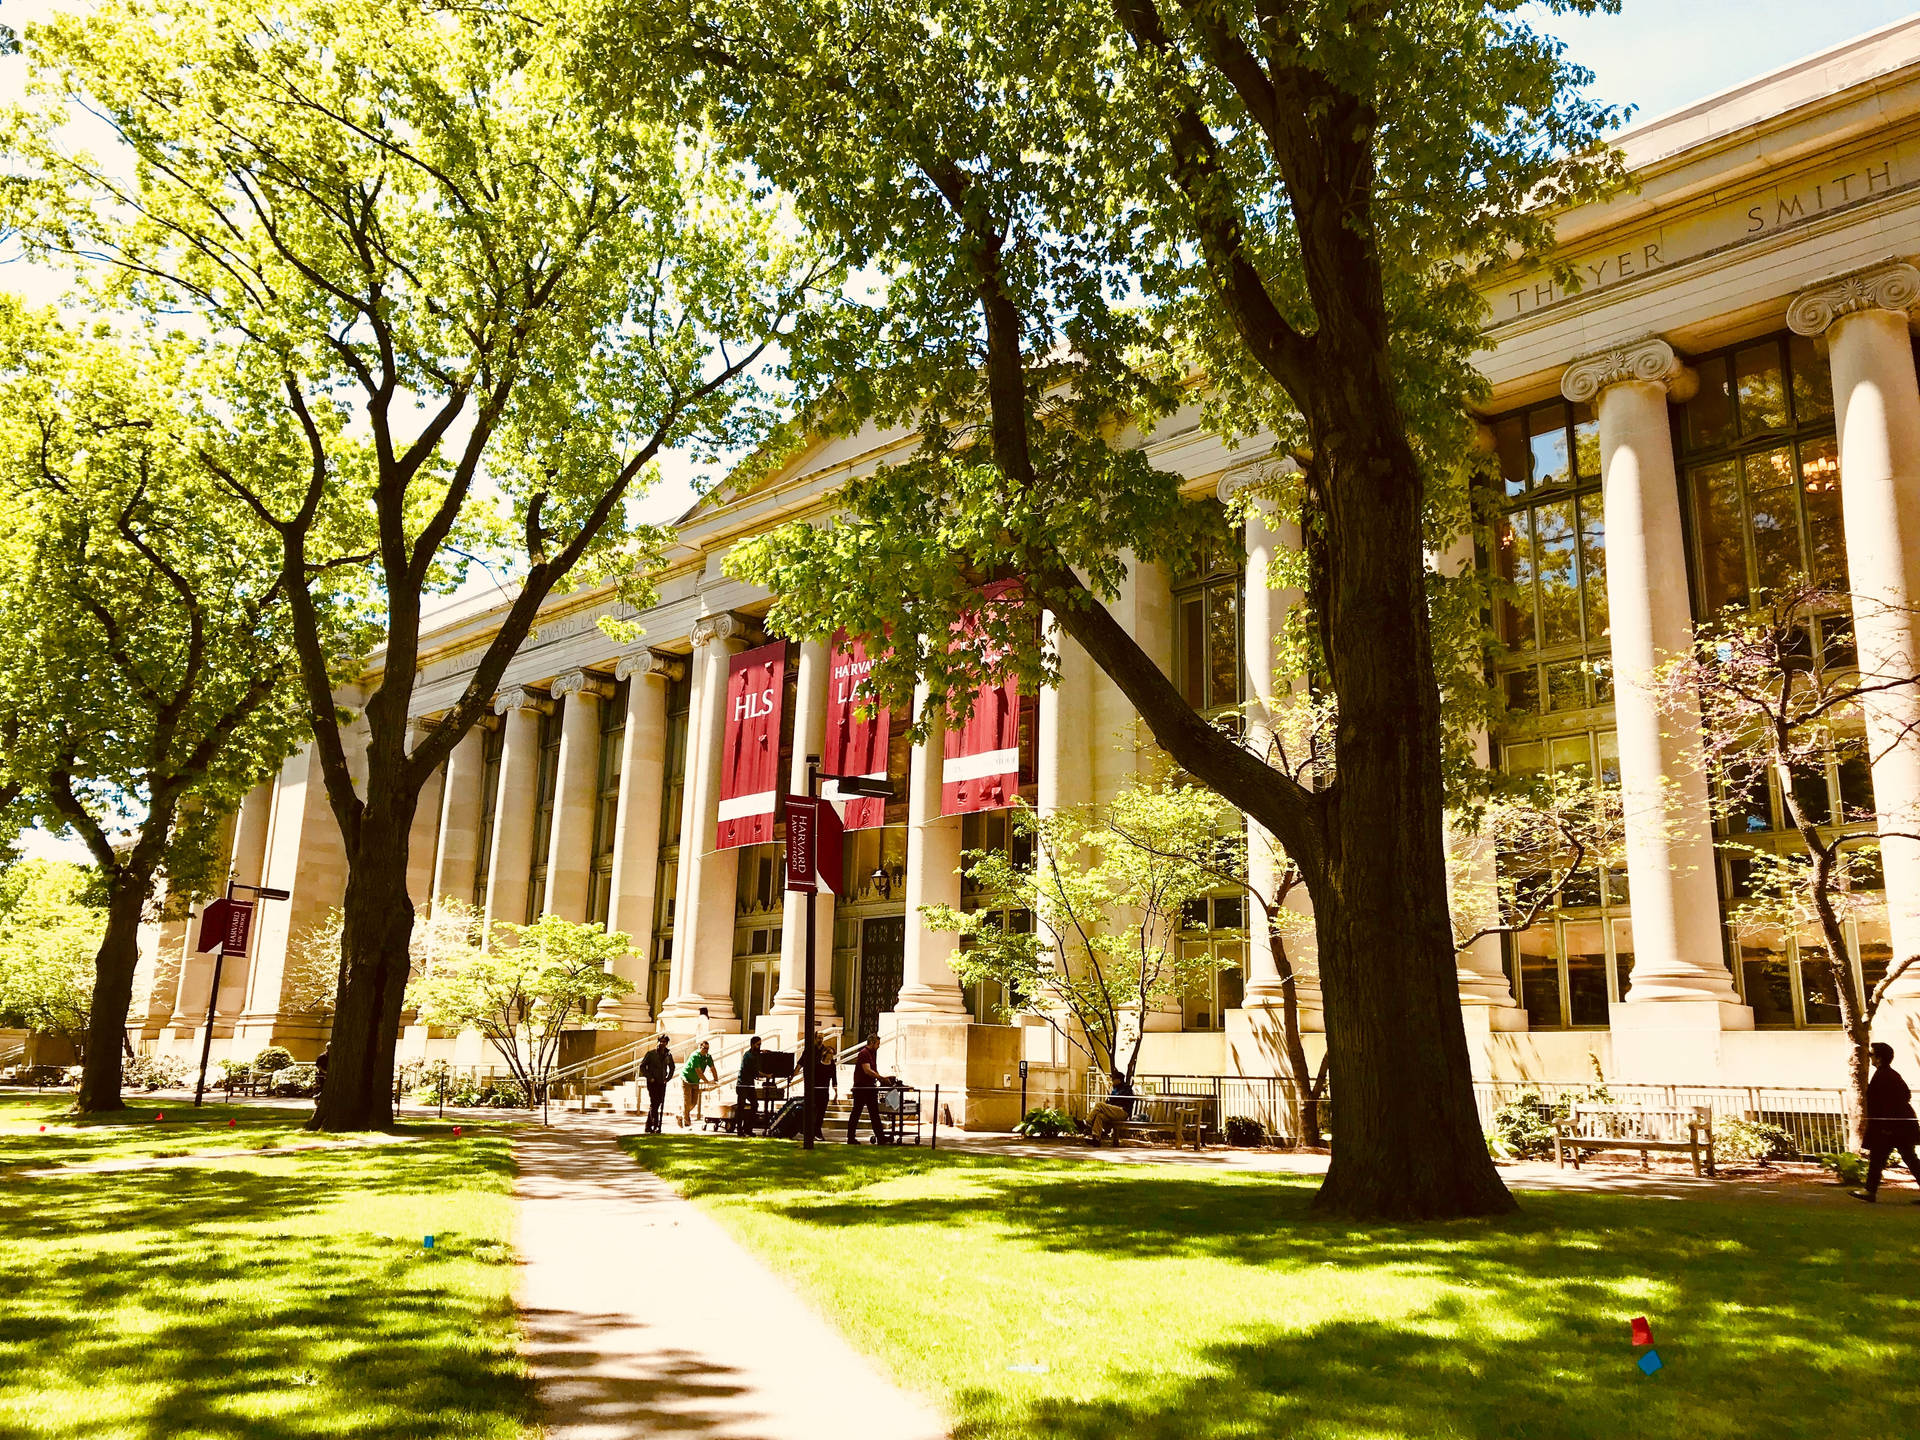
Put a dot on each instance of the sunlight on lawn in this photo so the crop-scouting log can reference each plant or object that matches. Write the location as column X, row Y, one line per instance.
column 281, row 1296
column 1169, row 1305
column 74, row 1139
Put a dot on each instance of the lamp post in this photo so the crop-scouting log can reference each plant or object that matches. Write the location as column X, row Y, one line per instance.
column 232, row 921
column 806, row 871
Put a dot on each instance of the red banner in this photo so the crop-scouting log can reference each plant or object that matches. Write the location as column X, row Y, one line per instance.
column 750, row 749
column 813, row 844
column 226, row 926
column 981, row 769
column 854, row 746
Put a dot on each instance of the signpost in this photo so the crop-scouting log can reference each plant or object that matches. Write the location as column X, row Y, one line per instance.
column 813, row 864
column 226, row 927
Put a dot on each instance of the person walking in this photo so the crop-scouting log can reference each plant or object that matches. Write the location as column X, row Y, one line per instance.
column 867, row 1080
column 1891, row 1124
column 743, row 1084
column 699, row 1063
column 656, row 1068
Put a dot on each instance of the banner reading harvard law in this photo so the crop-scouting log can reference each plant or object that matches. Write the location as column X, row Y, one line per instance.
column 981, row 769
column 854, row 745
column 750, row 749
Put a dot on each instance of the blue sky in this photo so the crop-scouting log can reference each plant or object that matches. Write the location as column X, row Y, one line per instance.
column 1664, row 54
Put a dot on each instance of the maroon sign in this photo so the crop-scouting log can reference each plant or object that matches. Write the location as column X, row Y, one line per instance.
column 750, row 748
column 813, row 844
column 855, row 744
column 981, row 759
column 226, row 926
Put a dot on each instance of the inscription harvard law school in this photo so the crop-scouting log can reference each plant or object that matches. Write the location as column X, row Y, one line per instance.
column 1747, row 215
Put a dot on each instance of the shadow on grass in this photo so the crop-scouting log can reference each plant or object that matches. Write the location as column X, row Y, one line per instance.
column 214, row 1301
column 1773, row 1320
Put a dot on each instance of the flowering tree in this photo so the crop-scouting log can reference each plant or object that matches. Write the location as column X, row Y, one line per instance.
column 1774, row 711
column 534, row 983
column 50, row 929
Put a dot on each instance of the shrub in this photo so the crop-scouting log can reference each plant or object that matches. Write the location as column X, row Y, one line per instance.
column 1040, row 1123
column 154, row 1072
column 1245, row 1130
column 1523, row 1127
column 1735, row 1138
column 272, row 1060
column 1847, row 1168
column 296, row 1079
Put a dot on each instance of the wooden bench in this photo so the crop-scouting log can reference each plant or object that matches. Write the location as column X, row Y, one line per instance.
column 1172, row 1116
column 1592, row 1128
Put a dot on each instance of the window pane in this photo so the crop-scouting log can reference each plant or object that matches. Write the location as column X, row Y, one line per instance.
column 1810, row 789
column 1525, row 759
column 1812, row 380
column 1623, row 956
column 1820, row 485
column 1572, row 755
column 1223, row 645
column 1876, row 952
column 1567, row 686
column 1818, row 999
column 1776, row 526
column 1516, row 564
column 1559, row 590
column 1547, row 439
column 1760, row 389
column 1837, row 649
column 1765, row 979
column 1586, row 442
column 1723, row 552
column 1608, row 744
column 1856, row 782
column 1193, row 653
column 1510, row 445
column 1523, row 691
column 1748, row 799
column 1586, row 973
column 1710, row 413
column 1539, row 978
column 1593, row 568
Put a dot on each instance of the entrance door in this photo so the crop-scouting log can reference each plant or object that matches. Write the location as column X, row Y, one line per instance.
column 883, row 958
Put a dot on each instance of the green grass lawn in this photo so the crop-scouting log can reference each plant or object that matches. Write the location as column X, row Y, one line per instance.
column 1174, row 1305
column 72, row 1139
column 264, row 1297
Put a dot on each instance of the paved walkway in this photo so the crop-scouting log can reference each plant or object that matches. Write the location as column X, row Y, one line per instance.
column 642, row 1318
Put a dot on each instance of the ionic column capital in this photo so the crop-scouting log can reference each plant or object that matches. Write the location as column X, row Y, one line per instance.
column 649, row 665
column 519, row 697
column 1234, row 481
column 581, row 682
column 1649, row 360
column 1891, row 285
column 724, row 626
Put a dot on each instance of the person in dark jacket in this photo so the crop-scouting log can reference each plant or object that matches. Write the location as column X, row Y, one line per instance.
column 1891, row 1124
column 866, row 1091
column 826, row 1077
column 743, row 1084
column 656, row 1068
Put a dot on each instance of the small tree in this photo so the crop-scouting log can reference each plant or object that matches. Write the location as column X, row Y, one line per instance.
column 1771, row 706
column 535, row 983
column 1104, row 949
column 1549, row 834
column 50, row 930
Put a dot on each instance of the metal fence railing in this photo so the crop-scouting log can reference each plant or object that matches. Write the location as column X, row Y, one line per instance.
column 1816, row 1119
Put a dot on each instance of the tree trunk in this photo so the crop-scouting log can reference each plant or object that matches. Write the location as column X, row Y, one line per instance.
column 1407, row 1142
column 375, row 935
column 113, row 966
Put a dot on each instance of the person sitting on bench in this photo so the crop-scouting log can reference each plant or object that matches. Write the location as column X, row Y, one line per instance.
column 1111, row 1115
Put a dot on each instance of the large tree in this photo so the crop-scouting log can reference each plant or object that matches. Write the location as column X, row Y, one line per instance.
column 482, row 306
column 1063, row 206
column 144, row 632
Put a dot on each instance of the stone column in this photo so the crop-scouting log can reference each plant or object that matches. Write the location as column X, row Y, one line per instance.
column 809, row 738
column 510, row 866
column 423, row 837
column 1269, row 537
column 1679, row 966
column 1864, row 317
column 252, row 828
column 457, row 855
column 709, row 877
column 576, row 787
column 636, row 828
column 928, row 986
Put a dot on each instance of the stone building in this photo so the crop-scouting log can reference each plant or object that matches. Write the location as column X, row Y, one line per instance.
column 1727, row 398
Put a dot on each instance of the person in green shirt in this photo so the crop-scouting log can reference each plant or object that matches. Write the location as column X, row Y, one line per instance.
column 701, row 1060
